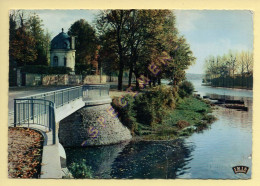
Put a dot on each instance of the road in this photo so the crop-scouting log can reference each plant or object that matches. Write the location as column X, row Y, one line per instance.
column 27, row 91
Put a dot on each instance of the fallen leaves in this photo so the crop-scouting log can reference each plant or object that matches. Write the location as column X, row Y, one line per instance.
column 24, row 153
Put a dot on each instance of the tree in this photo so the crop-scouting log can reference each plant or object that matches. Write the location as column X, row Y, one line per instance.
column 115, row 23
column 42, row 40
column 86, row 47
column 21, row 42
column 138, row 41
column 229, row 67
column 28, row 43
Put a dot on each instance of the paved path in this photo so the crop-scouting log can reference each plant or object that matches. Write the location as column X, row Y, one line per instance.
column 27, row 91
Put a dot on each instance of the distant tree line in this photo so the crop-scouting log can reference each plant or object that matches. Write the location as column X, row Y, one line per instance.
column 234, row 70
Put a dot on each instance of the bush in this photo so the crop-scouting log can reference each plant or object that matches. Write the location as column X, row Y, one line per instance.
column 154, row 105
column 182, row 124
column 81, row 170
column 126, row 114
column 41, row 69
column 185, row 89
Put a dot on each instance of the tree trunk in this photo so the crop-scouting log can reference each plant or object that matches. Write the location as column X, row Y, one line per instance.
column 130, row 76
column 159, row 81
column 120, row 75
column 136, row 81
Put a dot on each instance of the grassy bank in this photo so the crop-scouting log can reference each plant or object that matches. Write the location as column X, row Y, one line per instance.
column 190, row 115
column 164, row 113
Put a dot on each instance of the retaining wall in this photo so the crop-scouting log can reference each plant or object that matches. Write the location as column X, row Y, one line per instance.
column 77, row 129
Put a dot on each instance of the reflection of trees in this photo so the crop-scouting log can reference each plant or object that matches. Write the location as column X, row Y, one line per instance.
column 164, row 159
column 100, row 159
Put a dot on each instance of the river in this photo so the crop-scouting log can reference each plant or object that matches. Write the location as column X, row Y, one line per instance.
column 210, row 154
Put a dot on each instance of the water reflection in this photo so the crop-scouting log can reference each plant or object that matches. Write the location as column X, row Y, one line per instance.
column 100, row 158
column 167, row 159
column 152, row 160
column 228, row 143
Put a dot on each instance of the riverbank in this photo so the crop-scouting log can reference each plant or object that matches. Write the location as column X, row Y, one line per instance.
column 190, row 115
column 235, row 87
column 163, row 113
column 24, row 153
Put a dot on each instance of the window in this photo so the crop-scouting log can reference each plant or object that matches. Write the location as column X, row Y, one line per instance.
column 65, row 45
column 65, row 61
column 55, row 61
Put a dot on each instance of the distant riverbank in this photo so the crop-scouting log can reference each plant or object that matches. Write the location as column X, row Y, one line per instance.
column 235, row 87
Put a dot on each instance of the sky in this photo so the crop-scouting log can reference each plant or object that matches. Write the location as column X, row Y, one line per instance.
column 209, row 32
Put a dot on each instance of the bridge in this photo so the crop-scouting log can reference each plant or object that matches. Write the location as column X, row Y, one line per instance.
column 47, row 109
column 44, row 111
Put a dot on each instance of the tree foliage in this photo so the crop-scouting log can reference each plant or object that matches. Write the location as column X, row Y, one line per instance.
column 141, row 38
column 86, row 47
column 28, row 42
column 232, row 69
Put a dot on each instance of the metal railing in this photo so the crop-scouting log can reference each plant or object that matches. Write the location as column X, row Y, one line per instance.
column 59, row 97
column 40, row 108
column 35, row 111
column 95, row 91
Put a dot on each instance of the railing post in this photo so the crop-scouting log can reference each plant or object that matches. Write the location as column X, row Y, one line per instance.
column 68, row 96
column 50, row 116
column 14, row 113
column 53, row 128
column 31, row 108
column 44, row 104
column 100, row 91
column 62, row 98
column 54, row 97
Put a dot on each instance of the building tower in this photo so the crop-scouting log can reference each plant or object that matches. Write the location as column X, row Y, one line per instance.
column 63, row 51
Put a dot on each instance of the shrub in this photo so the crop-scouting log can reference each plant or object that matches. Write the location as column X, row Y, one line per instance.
column 182, row 124
column 154, row 105
column 185, row 89
column 126, row 114
column 81, row 170
column 41, row 69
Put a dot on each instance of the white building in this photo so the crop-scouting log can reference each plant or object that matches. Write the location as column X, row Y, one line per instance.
column 62, row 51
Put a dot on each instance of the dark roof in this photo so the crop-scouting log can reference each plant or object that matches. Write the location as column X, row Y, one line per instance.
column 61, row 41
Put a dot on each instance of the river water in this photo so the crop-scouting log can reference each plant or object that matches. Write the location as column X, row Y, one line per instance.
column 210, row 154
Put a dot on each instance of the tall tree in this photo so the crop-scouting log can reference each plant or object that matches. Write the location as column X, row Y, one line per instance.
column 22, row 43
column 115, row 22
column 86, row 47
column 42, row 40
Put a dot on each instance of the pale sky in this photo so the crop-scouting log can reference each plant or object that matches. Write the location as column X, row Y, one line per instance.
column 209, row 32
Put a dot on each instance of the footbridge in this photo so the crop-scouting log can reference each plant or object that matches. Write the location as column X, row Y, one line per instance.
column 44, row 111
column 47, row 109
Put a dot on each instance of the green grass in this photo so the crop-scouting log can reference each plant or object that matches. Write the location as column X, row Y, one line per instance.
column 189, row 109
column 194, row 111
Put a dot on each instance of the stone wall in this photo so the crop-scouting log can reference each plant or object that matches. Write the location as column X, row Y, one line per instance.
column 75, row 79
column 75, row 130
column 94, row 79
column 33, row 79
column 59, row 79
